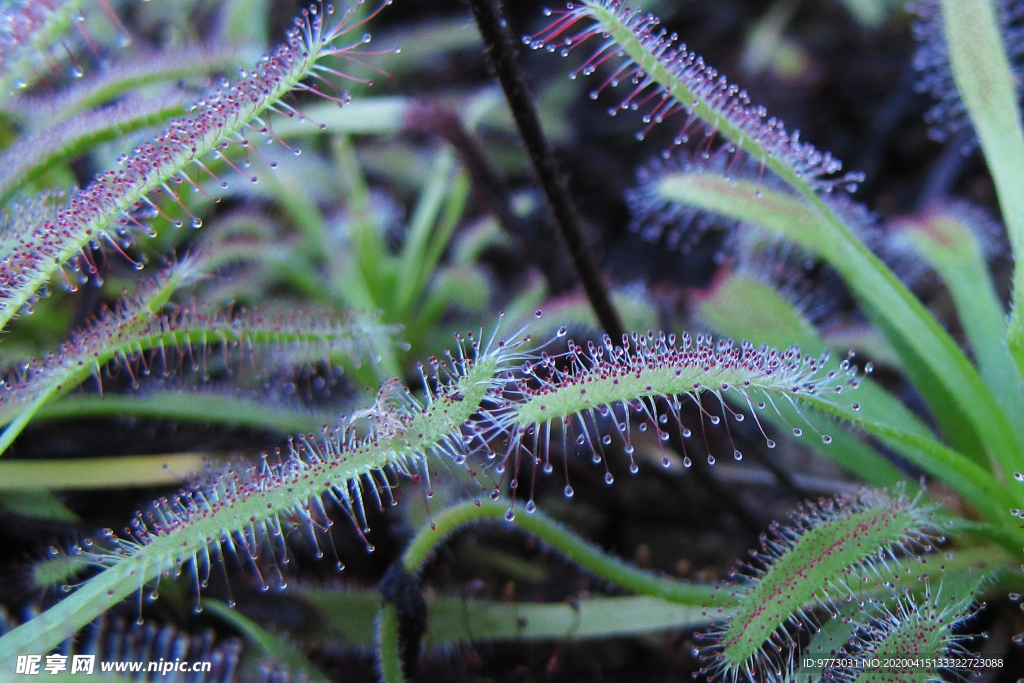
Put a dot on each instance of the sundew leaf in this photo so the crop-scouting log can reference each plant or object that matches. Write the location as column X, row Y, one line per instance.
column 102, row 212
column 972, row 40
column 640, row 386
column 127, row 332
column 32, row 155
column 666, row 78
column 142, row 69
column 243, row 509
column 807, row 563
column 913, row 632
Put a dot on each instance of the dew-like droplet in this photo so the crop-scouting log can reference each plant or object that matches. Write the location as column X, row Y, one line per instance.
column 608, row 478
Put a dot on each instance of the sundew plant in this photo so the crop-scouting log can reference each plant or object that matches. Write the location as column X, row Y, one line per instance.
column 351, row 341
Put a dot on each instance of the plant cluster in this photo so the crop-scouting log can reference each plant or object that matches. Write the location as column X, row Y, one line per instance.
column 307, row 283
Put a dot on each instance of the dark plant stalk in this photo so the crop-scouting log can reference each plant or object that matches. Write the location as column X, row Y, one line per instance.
column 501, row 58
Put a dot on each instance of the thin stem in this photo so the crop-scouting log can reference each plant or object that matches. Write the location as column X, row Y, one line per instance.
column 564, row 541
column 501, row 57
column 389, row 658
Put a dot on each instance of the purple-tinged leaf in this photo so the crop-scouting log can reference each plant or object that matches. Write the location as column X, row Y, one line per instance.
column 32, row 155
column 102, row 212
column 114, row 81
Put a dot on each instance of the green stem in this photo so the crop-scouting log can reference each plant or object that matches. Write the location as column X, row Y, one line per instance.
column 988, row 91
column 389, row 658
column 564, row 541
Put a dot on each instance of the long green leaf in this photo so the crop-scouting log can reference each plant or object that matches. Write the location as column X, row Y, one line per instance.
column 988, row 89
